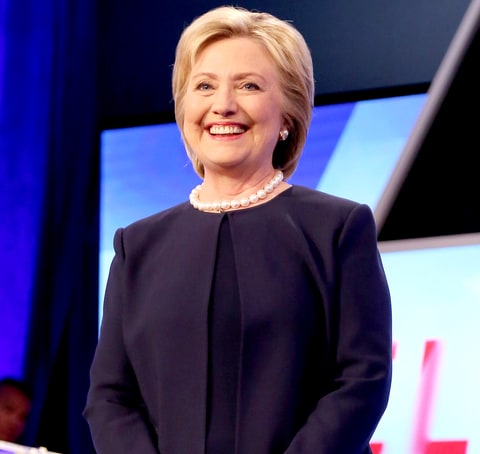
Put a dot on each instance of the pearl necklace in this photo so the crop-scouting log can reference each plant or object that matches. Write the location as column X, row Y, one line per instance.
column 244, row 202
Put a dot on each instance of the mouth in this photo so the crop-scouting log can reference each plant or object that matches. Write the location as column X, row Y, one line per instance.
column 226, row 130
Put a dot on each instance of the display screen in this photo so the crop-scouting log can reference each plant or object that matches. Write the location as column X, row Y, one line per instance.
column 434, row 402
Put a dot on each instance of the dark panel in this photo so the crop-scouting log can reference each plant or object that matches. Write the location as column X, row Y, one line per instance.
column 356, row 45
column 440, row 194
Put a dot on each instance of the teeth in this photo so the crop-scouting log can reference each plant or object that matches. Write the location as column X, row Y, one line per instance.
column 217, row 129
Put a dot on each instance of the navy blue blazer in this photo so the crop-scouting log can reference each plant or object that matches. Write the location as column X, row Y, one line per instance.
column 316, row 341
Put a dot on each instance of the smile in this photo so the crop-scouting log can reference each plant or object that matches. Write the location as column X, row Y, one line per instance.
column 227, row 129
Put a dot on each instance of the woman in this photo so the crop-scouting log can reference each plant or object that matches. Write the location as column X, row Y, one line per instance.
column 256, row 317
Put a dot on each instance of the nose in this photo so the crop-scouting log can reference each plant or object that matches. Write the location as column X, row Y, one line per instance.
column 224, row 102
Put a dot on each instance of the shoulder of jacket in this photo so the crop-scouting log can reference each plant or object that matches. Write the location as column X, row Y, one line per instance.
column 162, row 217
column 318, row 199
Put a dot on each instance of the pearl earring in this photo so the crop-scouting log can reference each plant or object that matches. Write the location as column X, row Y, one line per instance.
column 284, row 134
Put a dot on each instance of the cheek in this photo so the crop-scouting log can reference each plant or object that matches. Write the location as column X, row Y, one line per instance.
column 269, row 112
column 193, row 111
column 192, row 127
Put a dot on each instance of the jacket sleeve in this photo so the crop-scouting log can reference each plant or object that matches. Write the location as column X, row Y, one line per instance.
column 114, row 410
column 346, row 416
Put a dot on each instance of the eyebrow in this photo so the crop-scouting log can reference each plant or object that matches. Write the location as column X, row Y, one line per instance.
column 238, row 76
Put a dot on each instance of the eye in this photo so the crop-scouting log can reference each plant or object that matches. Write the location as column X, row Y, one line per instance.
column 204, row 86
column 250, row 86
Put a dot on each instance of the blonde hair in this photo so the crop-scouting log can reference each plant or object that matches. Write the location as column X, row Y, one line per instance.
column 288, row 50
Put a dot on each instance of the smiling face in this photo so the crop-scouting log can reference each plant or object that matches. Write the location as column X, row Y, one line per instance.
column 233, row 107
